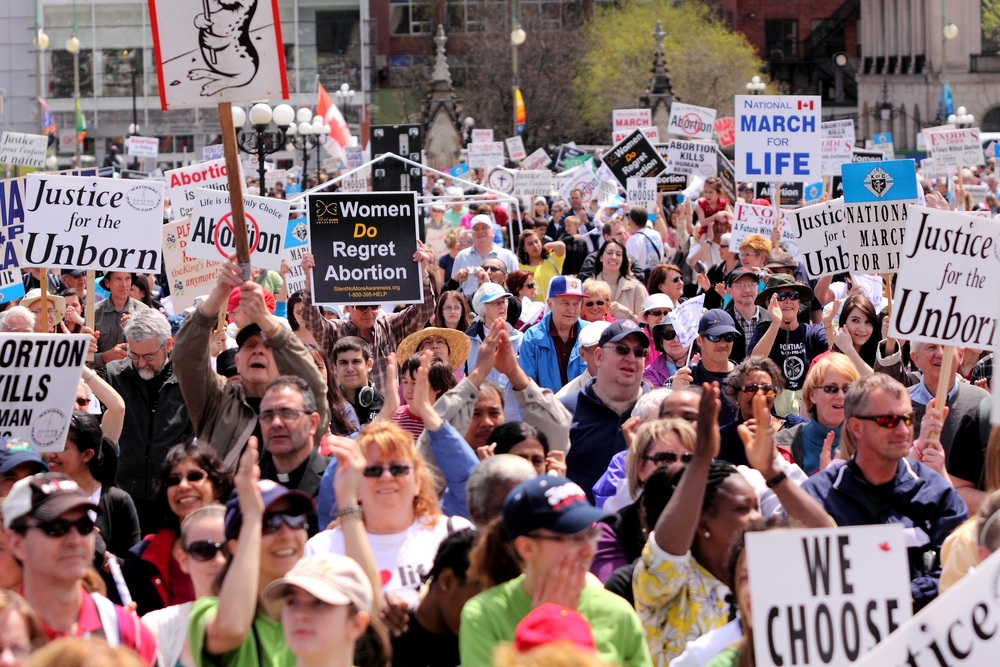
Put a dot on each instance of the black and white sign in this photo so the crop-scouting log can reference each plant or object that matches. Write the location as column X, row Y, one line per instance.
column 790, row 195
column 641, row 192
column 634, row 157
column 532, row 182
column 515, row 148
column 212, row 228
column 143, row 146
column 691, row 157
column 364, row 245
column 687, row 120
column 25, row 150
column 182, row 183
column 821, row 234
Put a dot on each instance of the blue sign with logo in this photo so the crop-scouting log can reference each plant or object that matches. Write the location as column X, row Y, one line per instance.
column 11, row 286
column 888, row 180
column 882, row 138
column 460, row 170
column 813, row 191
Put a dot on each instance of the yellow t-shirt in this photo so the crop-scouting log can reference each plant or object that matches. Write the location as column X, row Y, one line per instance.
column 544, row 272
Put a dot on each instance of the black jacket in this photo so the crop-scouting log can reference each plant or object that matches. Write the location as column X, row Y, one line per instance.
column 306, row 479
column 119, row 524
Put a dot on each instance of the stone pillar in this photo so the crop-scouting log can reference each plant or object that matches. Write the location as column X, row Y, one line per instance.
column 659, row 94
column 442, row 140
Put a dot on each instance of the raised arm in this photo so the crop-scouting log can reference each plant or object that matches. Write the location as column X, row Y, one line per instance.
column 766, row 342
column 114, row 405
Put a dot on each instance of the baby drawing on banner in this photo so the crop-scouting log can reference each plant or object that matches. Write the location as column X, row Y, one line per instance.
column 226, row 45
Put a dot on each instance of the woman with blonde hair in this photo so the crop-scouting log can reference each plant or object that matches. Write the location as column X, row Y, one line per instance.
column 21, row 631
column 597, row 304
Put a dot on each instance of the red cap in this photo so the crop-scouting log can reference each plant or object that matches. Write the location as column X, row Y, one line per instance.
column 760, row 201
column 234, row 300
column 552, row 623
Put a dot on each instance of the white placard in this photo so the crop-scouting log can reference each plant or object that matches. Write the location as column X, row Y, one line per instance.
column 66, row 141
column 686, row 318
column 212, row 228
column 871, row 286
column 629, row 119
column 274, row 177
column 501, row 179
column 955, row 148
column 687, row 120
column 213, row 152
column 835, row 152
column 583, row 178
column 607, row 192
column 875, row 233
column 837, row 593
column 353, row 156
column 515, row 148
column 224, row 53
column 949, row 271
column 25, row 150
column 41, row 373
column 296, row 242
column 977, row 192
column 537, row 160
column 143, row 146
column 356, row 182
column 187, row 277
column 181, row 183
column 691, row 157
column 778, row 138
column 753, row 219
column 482, row 136
column 485, row 154
column 837, row 129
column 821, row 235
column 641, row 192
column 931, row 170
column 532, row 182
column 650, row 132
column 105, row 224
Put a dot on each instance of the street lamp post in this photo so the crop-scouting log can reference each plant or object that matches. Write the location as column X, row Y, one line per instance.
column 73, row 46
column 320, row 129
column 344, row 95
column 259, row 141
column 301, row 137
column 133, row 128
column 517, row 37
column 755, row 86
column 962, row 118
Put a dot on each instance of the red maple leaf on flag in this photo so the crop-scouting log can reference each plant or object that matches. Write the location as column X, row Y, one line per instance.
column 885, row 546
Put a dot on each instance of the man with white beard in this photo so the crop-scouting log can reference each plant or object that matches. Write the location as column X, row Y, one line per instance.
column 156, row 418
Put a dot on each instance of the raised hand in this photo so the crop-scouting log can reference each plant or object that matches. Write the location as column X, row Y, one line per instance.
column 350, row 466
column 759, row 444
column 245, row 481
column 707, row 443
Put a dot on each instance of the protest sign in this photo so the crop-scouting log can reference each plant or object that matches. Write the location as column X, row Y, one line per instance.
column 485, row 154
column 213, row 152
column 515, row 148
column 778, row 137
column 364, row 246
column 482, row 136
column 275, row 177
column 821, row 235
column 537, row 160
column 532, row 182
column 25, row 150
column 577, row 160
column 858, row 155
column 182, row 183
column 356, row 182
column 459, row 170
column 143, row 146
column 66, row 141
column 811, row 192
column 950, row 268
column 39, row 376
column 931, row 170
column 641, row 192
column 11, row 286
column 607, row 193
column 790, row 194
column 882, row 141
column 501, row 179
column 583, row 179
column 634, row 157
column 233, row 53
column 955, row 148
column 835, row 152
column 671, row 182
column 354, row 156
column 837, row 129
column 74, row 222
column 623, row 121
column 725, row 130
column 875, row 198
column 567, row 151
column 838, row 592
column 650, row 132
column 296, row 242
column 691, row 157
column 686, row 318
column 134, row 175
column 727, row 172
column 187, row 277
column 977, row 192
column 957, row 628
column 212, row 228
column 753, row 219
column 687, row 120
column 871, row 286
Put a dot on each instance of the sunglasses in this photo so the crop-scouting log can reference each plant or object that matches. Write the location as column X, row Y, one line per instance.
column 203, row 550
column 624, row 350
column 768, row 389
column 591, row 304
column 59, row 527
column 676, row 279
column 833, row 388
column 82, row 402
column 728, row 337
column 366, row 308
column 272, row 522
column 531, row 285
column 668, row 334
column 396, row 470
column 891, row 421
column 491, row 269
column 787, row 296
column 192, row 477
column 668, row 458
column 657, row 313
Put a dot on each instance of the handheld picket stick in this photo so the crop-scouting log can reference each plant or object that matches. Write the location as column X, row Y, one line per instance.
column 222, row 318
column 88, row 313
column 43, row 280
column 941, row 395
column 232, row 156
column 776, row 203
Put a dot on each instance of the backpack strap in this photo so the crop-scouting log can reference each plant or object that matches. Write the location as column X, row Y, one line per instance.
column 109, row 619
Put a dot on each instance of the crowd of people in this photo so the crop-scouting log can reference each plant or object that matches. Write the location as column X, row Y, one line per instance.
column 528, row 462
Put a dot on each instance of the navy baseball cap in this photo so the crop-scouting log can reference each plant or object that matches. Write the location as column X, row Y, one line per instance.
column 271, row 492
column 554, row 503
column 621, row 330
column 716, row 322
column 738, row 273
column 16, row 451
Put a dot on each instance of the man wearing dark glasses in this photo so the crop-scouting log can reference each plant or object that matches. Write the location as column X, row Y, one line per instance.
column 880, row 485
column 741, row 286
column 716, row 335
column 51, row 534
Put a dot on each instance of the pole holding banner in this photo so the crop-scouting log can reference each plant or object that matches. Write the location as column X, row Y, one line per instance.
column 941, row 395
column 43, row 281
column 231, row 153
column 776, row 202
column 88, row 316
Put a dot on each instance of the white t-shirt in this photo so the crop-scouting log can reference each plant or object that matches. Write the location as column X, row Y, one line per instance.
column 402, row 558
column 646, row 250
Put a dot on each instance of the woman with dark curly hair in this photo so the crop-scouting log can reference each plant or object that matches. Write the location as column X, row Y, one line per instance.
column 192, row 476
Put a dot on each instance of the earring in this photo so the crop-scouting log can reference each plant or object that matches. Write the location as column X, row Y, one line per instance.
column 443, row 588
column 707, row 534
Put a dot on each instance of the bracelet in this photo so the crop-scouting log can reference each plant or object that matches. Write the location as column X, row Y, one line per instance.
column 90, row 377
column 352, row 511
column 776, row 480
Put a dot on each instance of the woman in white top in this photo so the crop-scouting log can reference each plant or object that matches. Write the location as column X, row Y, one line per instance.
column 627, row 294
column 199, row 554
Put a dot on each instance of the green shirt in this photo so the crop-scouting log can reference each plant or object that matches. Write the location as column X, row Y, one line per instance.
column 492, row 616
column 729, row 657
column 272, row 651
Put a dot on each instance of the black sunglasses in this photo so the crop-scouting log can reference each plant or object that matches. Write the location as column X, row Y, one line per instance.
column 728, row 337
column 272, row 522
column 669, row 458
column 668, row 334
column 768, row 389
column 191, row 476
column 891, row 421
column 834, row 388
column 396, row 470
column 203, row 550
column 60, row 527
column 787, row 296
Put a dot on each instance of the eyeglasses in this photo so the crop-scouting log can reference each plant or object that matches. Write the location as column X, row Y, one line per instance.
column 591, row 304
column 491, row 269
column 676, row 279
column 396, row 470
column 82, row 402
column 272, row 522
column 624, row 350
column 657, row 313
column 668, row 458
column 744, row 284
column 668, row 334
column 891, row 421
column 531, row 285
column 833, row 388
column 768, row 389
column 60, row 527
column 362, row 309
column 148, row 358
column 787, row 296
column 588, row 535
column 192, row 476
column 203, row 550
column 286, row 414
column 728, row 337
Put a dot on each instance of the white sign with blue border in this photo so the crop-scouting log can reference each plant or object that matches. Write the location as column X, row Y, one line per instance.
column 875, row 196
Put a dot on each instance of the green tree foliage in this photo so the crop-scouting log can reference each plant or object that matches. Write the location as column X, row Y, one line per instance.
column 708, row 63
column 991, row 26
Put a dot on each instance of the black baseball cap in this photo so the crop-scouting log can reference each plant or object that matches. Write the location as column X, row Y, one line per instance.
column 554, row 503
column 620, row 330
column 738, row 273
column 246, row 332
column 716, row 322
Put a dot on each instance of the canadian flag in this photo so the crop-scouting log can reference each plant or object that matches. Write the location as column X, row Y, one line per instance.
column 340, row 135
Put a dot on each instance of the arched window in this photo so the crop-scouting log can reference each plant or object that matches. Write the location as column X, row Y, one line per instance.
column 991, row 120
